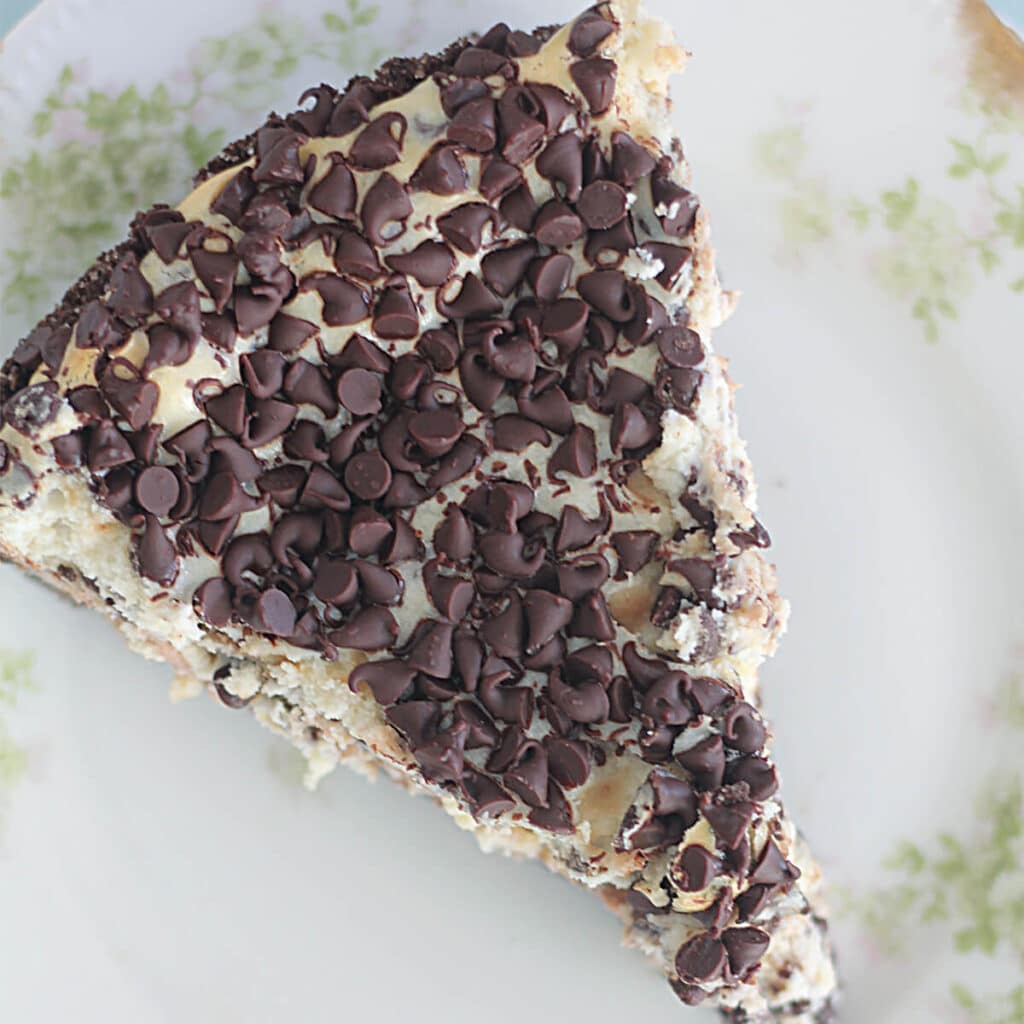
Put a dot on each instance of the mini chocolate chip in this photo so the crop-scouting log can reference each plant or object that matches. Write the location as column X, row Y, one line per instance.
column 665, row 702
column 354, row 255
column 744, row 947
column 607, row 291
column 498, row 179
column 379, row 144
column 359, row 391
column 675, row 206
column 107, row 448
column 631, row 429
column 436, row 432
column 756, row 773
column 730, row 823
column 395, row 315
column 771, row 867
column 430, row 263
column 557, row 225
column 441, row 172
column 575, row 531
column 474, row 300
column 743, row 729
column 602, row 205
column 672, row 258
column 454, row 536
column 588, row 32
column 131, row 298
column 701, row 958
column 157, row 490
column 568, row 762
column 155, row 552
column 705, row 761
column 474, row 125
column 371, row 629
column 289, row 333
column 549, row 275
column 128, row 394
column 389, row 680
column 694, row 869
column 368, row 475
column 679, row 346
column 277, row 152
column 546, row 615
column 595, row 79
column 561, row 162
column 431, row 653
column 511, row 554
column 269, row 419
column 263, row 372
column 576, row 454
column 522, row 129
column 213, row 601
column 385, row 210
column 630, row 160
column 344, row 302
column 635, row 548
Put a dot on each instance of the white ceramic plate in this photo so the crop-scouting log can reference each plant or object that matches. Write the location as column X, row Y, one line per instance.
column 865, row 168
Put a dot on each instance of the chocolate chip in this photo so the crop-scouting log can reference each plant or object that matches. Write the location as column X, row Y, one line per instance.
column 744, row 947
column 673, row 259
column 595, row 79
column 666, row 607
column 701, row 958
column 359, row 392
column 677, row 388
column 582, row 575
column 257, row 305
column 263, row 372
column 269, row 419
column 522, row 127
column 730, row 823
column 355, row 256
column 431, row 652
column 289, row 333
column 561, row 162
column 306, row 384
column 385, row 210
column 630, row 160
column 568, row 762
column 474, row 125
column 430, row 263
column 635, row 548
column 528, row 775
column 335, row 193
column 436, row 432
column 379, row 144
column 694, row 869
column 576, row 454
column 592, row 618
column 485, row 796
column 673, row 796
column 395, row 315
column 753, row 901
column 474, row 300
column 107, row 448
column 608, row 248
column 451, row 596
column 504, row 631
column 352, row 109
column 546, row 615
column 368, row 475
column 557, row 225
column 771, row 867
column 504, row 269
column 464, row 226
column 389, row 680
column 441, row 759
column 754, row 772
column 588, row 32
column 344, row 302
column 511, row 554
column 743, row 729
column 131, row 298
column 516, row 433
column 498, row 178
column 232, row 199
column 631, row 429
column 322, row 489
column 363, row 353
column 575, row 531
column 607, row 291
column 273, row 613
column 476, row 62
column 167, row 237
column 705, row 761
column 665, row 702
column 213, row 601
column 564, row 322
column 603, row 204
column 679, row 346
column 277, row 153
column 157, row 558
column 441, row 172
column 549, row 275
column 675, row 206
column 372, row 629
column 440, row 348
column 157, row 490
column 454, row 536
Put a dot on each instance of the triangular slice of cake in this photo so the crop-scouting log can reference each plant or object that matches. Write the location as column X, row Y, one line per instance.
column 404, row 431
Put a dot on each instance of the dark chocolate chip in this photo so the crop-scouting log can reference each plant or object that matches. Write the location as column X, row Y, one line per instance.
column 744, row 947
column 504, row 631
column 630, row 160
column 431, row 652
column 546, row 615
column 108, row 447
column 277, row 156
column 269, row 419
column 602, row 205
column 474, row 300
column 754, row 772
column 675, row 206
column 673, row 796
column 385, row 210
column 454, row 536
column 232, row 199
column 743, row 729
column 588, row 32
column 213, row 601
column 167, row 347
column 575, row 531
column 771, row 867
column 608, row 248
column 561, row 162
column 635, row 548
column 592, row 618
column 730, row 822
column 608, row 292
column 474, row 125
column 157, row 558
column 217, row 272
column 522, row 128
column 498, row 178
column 157, row 490
column 557, row 225
column 549, row 275
column 568, row 762
column 672, row 258
column 665, row 702
column 359, row 392
column 289, row 333
column 528, row 775
column 679, row 346
column 389, row 680
column 263, row 372
column 355, row 256
column 511, row 554
column 371, row 629
column 576, row 454
column 694, row 869
column 430, row 263
column 595, row 79
column 701, row 958
column 344, row 302
column 580, row 576
column 131, row 298
column 442, row 173
column 632, row 429
column 167, row 237
column 368, row 475
column 379, row 144
column 705, row 761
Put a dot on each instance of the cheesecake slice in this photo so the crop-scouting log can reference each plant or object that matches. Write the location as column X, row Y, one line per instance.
column 404, row 431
